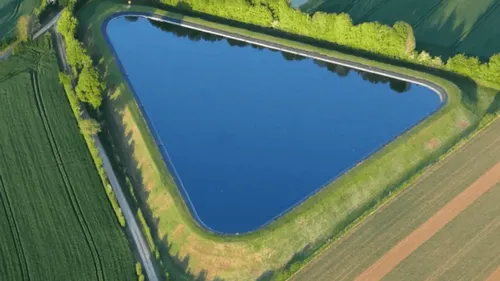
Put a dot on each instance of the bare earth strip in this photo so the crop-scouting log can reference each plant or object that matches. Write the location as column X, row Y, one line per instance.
column 405, row 247
column 376, row 235
column 495, row 276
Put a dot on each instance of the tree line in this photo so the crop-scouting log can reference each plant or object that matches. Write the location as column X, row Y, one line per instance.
column 396, row 41
column 341, row 71
column 89, row 85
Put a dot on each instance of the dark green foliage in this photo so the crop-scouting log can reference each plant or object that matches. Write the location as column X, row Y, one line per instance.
column 397, row 41
column 90, row 87
column 55, row 219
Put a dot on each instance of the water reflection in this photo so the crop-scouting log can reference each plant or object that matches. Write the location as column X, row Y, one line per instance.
column 251, row 133
column 398, row 86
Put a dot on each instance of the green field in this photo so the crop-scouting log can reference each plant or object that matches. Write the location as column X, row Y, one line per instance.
column 185, row 247
column 56, row 220
column 465, row 249
column 442, row 27
column 10, row 11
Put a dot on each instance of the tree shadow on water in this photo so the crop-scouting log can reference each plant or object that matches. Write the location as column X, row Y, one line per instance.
column 122, row 139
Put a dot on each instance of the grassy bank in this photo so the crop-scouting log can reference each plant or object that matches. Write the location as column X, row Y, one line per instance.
column 57, row 222
column 184, row 246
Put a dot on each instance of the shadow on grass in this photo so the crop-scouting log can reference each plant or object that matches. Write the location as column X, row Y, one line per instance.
column 116, row 138
column 440, row 28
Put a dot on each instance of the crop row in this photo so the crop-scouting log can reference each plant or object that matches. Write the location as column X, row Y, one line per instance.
column 52, row 201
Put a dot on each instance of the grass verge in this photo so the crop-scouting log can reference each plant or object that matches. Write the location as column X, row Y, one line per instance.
column 185, row 247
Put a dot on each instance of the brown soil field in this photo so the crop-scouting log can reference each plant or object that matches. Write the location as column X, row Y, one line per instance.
column 424, row 232
column 443, row 184
column 495, row 275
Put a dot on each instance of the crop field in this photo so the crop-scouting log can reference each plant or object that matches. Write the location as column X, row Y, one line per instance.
column 465, row 248
column 184, row 247
column 10, row 10
column 442, row 27
column 56, row 221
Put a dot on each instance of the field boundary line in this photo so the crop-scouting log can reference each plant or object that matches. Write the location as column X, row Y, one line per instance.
column 436, row 88
column 464, row 250
column 136, row 234
column 418, row 216
column 66, row 181
column 423, row 206
column 399, row 192
column 18, row 244
column 433, row 225
column 373, row 10
column 423, row 198
column 494, row 276
column 427, row 15
column 477, row 24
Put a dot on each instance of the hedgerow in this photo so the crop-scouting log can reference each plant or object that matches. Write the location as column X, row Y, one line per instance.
column 89, row 87
column 397, row 41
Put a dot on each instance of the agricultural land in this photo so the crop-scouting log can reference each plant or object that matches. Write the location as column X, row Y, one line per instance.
column 443, row 28
column 188, row 251
column 10, row 11
column 56, row 220
column 444, row 227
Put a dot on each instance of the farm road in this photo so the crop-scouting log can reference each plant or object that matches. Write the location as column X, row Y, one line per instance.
column 421, row 206
column 140, row 242
column 135, row 231
column 418, row 237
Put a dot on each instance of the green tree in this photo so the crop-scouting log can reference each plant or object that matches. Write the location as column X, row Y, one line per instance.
column 67, row 24
column 76, row 55
column 89, row 88
column 494, row 68
column 408, row 34
column 464, row 65
column 89, row 127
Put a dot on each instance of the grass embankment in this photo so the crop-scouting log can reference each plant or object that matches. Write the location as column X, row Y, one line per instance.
column 57, row 222
column 376, row 235
column 297, row 234
column 441, row 27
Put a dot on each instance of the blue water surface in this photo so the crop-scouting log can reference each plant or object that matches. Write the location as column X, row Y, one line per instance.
column 251, row 134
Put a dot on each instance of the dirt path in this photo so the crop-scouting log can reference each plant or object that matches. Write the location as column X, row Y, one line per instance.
column 495, row 276
column 424, row 232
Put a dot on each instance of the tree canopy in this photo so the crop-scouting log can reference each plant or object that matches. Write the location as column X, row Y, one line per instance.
column 89, row 88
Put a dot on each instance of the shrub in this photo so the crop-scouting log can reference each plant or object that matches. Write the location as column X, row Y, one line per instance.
column 89, row 127
column 90, row 87
column 23, row 28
